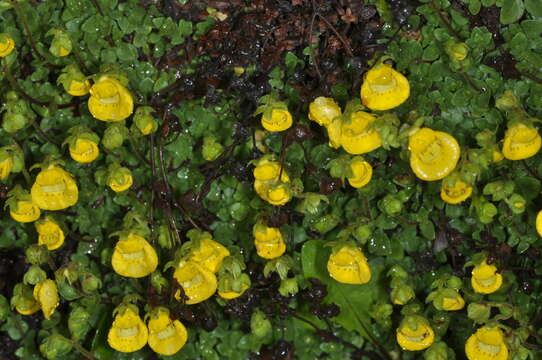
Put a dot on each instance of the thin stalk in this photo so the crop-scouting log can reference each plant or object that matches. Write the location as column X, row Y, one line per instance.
column 82, row 350
column 97, row 6
column 445, row 21
column 153, row 172
column 22, row 18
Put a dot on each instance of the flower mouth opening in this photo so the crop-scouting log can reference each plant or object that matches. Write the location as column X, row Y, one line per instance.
column 416, row 339
column 487, row 282
column 134, row 255
column 194, row 282
column 54, row 189
column 168, row 332
column 128, row 332
column 431, row 153
column 488, row 349
column 115, row 99
column 383, row 83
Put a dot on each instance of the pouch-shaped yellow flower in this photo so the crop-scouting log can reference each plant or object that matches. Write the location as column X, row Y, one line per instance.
column 384, row 88
column 278, row 195
column 357, row 136
column 539, row 223
column 54, row 189
column 6, row 166
column 166, row 336
column 210, row 254
column 433, row 154
column 363, row 172
column 117, row 186
column 323, row 110
column 128, row 332
column 486, row 343
column 84, row 150
column 349, row 265
column 268, row 241
column 110, row 100
column 24, row 300
column 30, row 308
column 198, row 282
column 269, row 171
column 26, row 211
column 6, row 45
column 521, row 142
column 451, row 300
column 334, row 133
column 418, row 337
column 280, row 120
column 485, row 279
column 134, row 257
column 78, row 88
column 49, row 233
column 455, row 194
column 46, row 294
column 228, row 295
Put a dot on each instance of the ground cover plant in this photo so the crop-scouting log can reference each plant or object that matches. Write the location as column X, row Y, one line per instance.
column 270, row 179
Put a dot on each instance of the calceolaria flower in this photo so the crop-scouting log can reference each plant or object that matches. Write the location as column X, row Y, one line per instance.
column 456, row 192
column 347, row 264
column 197, row 282
column 144, row 121
column 415, row 334
column 209, row 254
column 487, row 343
column 46, row 294
column 433, row 154
column 521, row 142
column 485, row 279
column 21, row 206
column 110, row 100
column 6, row 44
column 166, row 336
column 384, row 88
column 268, row 241
column 539, row 223
column 128, row 332
column 61, row 44
column 83, row 144
column 229, row 291
column 50, row 233
column 133, row 256
column 448, row 299
column 54, row 189
column 119, row 178
column 357, row 135
column 74, row 81
column 323, row 110
column 6, row 163
column 280, row 120
column 267, row 183
column 23, row 300
column 362, row 173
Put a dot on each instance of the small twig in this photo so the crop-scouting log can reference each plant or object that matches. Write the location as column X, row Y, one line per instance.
column 97, row 6
column 311, row 48
column 137, row 152
column 341, row 38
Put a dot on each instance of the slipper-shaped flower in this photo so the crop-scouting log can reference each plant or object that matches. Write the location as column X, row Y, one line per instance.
column 357, row 136
column 166, row 336
column 323, row 110
column 54, row 189
column 521, row 142
column 280, row 120
column 49, row 233
column 458, row 192
column 349, row 265
column 46, row 294
column 485, row 279
column 109, row 100
column 84, row 150
column 26, row 211
column 268, row 241
column 486, row 344
column 415, row 334
column 197, row 281
column 363, row 172
column 384, row 88
column 6, row 45
column 78, row 87
column 128, row 332
column 134, row 257
column 433, row 154
column 210, row 254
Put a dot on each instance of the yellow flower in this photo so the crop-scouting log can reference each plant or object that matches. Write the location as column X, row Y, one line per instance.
column 268, row 241
column 433, row 154
column 50, row 234
column 6, row 45
column 119, row 187
column 497, row 156
column 485, row 279
column 134, row 257
column 348, row 265
column 452, row 300
column 6, row 166
column 334, row 133
column 520, row 142
column 455, row 194
column 281, row 120
column 357, row 136
column 278, row 195
column 486, row 344
column 228, row 295
column 28, row 309
column 267, row 184
column 418, row 337
column 269, row 171
column 79, row 88
column 128, row 332
column 323, row 110
column 197, row 282
column 54, row 189
column 24, row 300
column 46, row 294
column 26, row 211
column 210, row 254
column 363, row 172
column 539, row 223
column 109, row 100
column 166, row 336
column 63, row 51
column 84, row 151
column 384, row 88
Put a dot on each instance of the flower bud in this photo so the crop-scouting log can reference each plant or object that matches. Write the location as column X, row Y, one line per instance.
column 516, row 203
column 390, row 205
column 402, row 294
column 144, row 120
column 34, row 275
column 114, row 136
column 61, row 44
column 507, row 101
column 55, row 346
column 457, row 51
column 158, row 281
column 478, row 312
column 119, row 178
column 288, row 287
column 211, row 148
column 36, row 254
column 6, row 44
column 164, row 237
column 323, row 110
column 260, row 325
column 439, row 351
column 79, row 323
column 23, row 300
column 90, row 283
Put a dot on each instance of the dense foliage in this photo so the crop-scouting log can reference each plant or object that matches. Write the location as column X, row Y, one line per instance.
column 270, row 179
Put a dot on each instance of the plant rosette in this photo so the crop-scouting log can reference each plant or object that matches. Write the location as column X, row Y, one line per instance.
column 197, row 282
column 166, row 336
column 133, row 256
column 74, row 81
column 357, row 134
column 384, row 88
column 268, row 241
column 414, row 333
column 128, row 332
column 83, row 144
column 347, row 264
column 485, row 279
column 433, row 154
column 54, row 188
column 119, row 178
column 21, row 207
column 487, row 343
column 50, row 233
column 109, row 100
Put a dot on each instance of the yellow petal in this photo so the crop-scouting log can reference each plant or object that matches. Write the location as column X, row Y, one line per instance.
column 128, row 333
column 118, row 187
column 485, row 279
column 210, row 254
column 6, row 45
column 79, row 88
column 110, row 100
column 349, row 266
column 49, row 234
column 228, row 295
column 134, row 257
column 54, row 189
column 453, row 303
column 6, row 166
column 486, row 344
column 166, row 337
column 280, row 120
column 521, row 142
column 539, row 223
column 26, row 211
column 278, row 195
column 455, row 194
column 323, row 110
column 384, row 88
column 197, row 282
column 363, row 172
column 46, row 294
column 84, row 151
column 334, row 133
column 433, row 154
column 269, row 242
column 357, row 137
column 416, row 339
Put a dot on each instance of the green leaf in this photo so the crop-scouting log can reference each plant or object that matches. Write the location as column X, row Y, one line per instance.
column 528, row 187
column 534, row 7
column 511, row 11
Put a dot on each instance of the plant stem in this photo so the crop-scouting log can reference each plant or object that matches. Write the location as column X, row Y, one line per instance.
column 82, row 350
column 97, row 6
column 22, row 18
column 445, row 21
